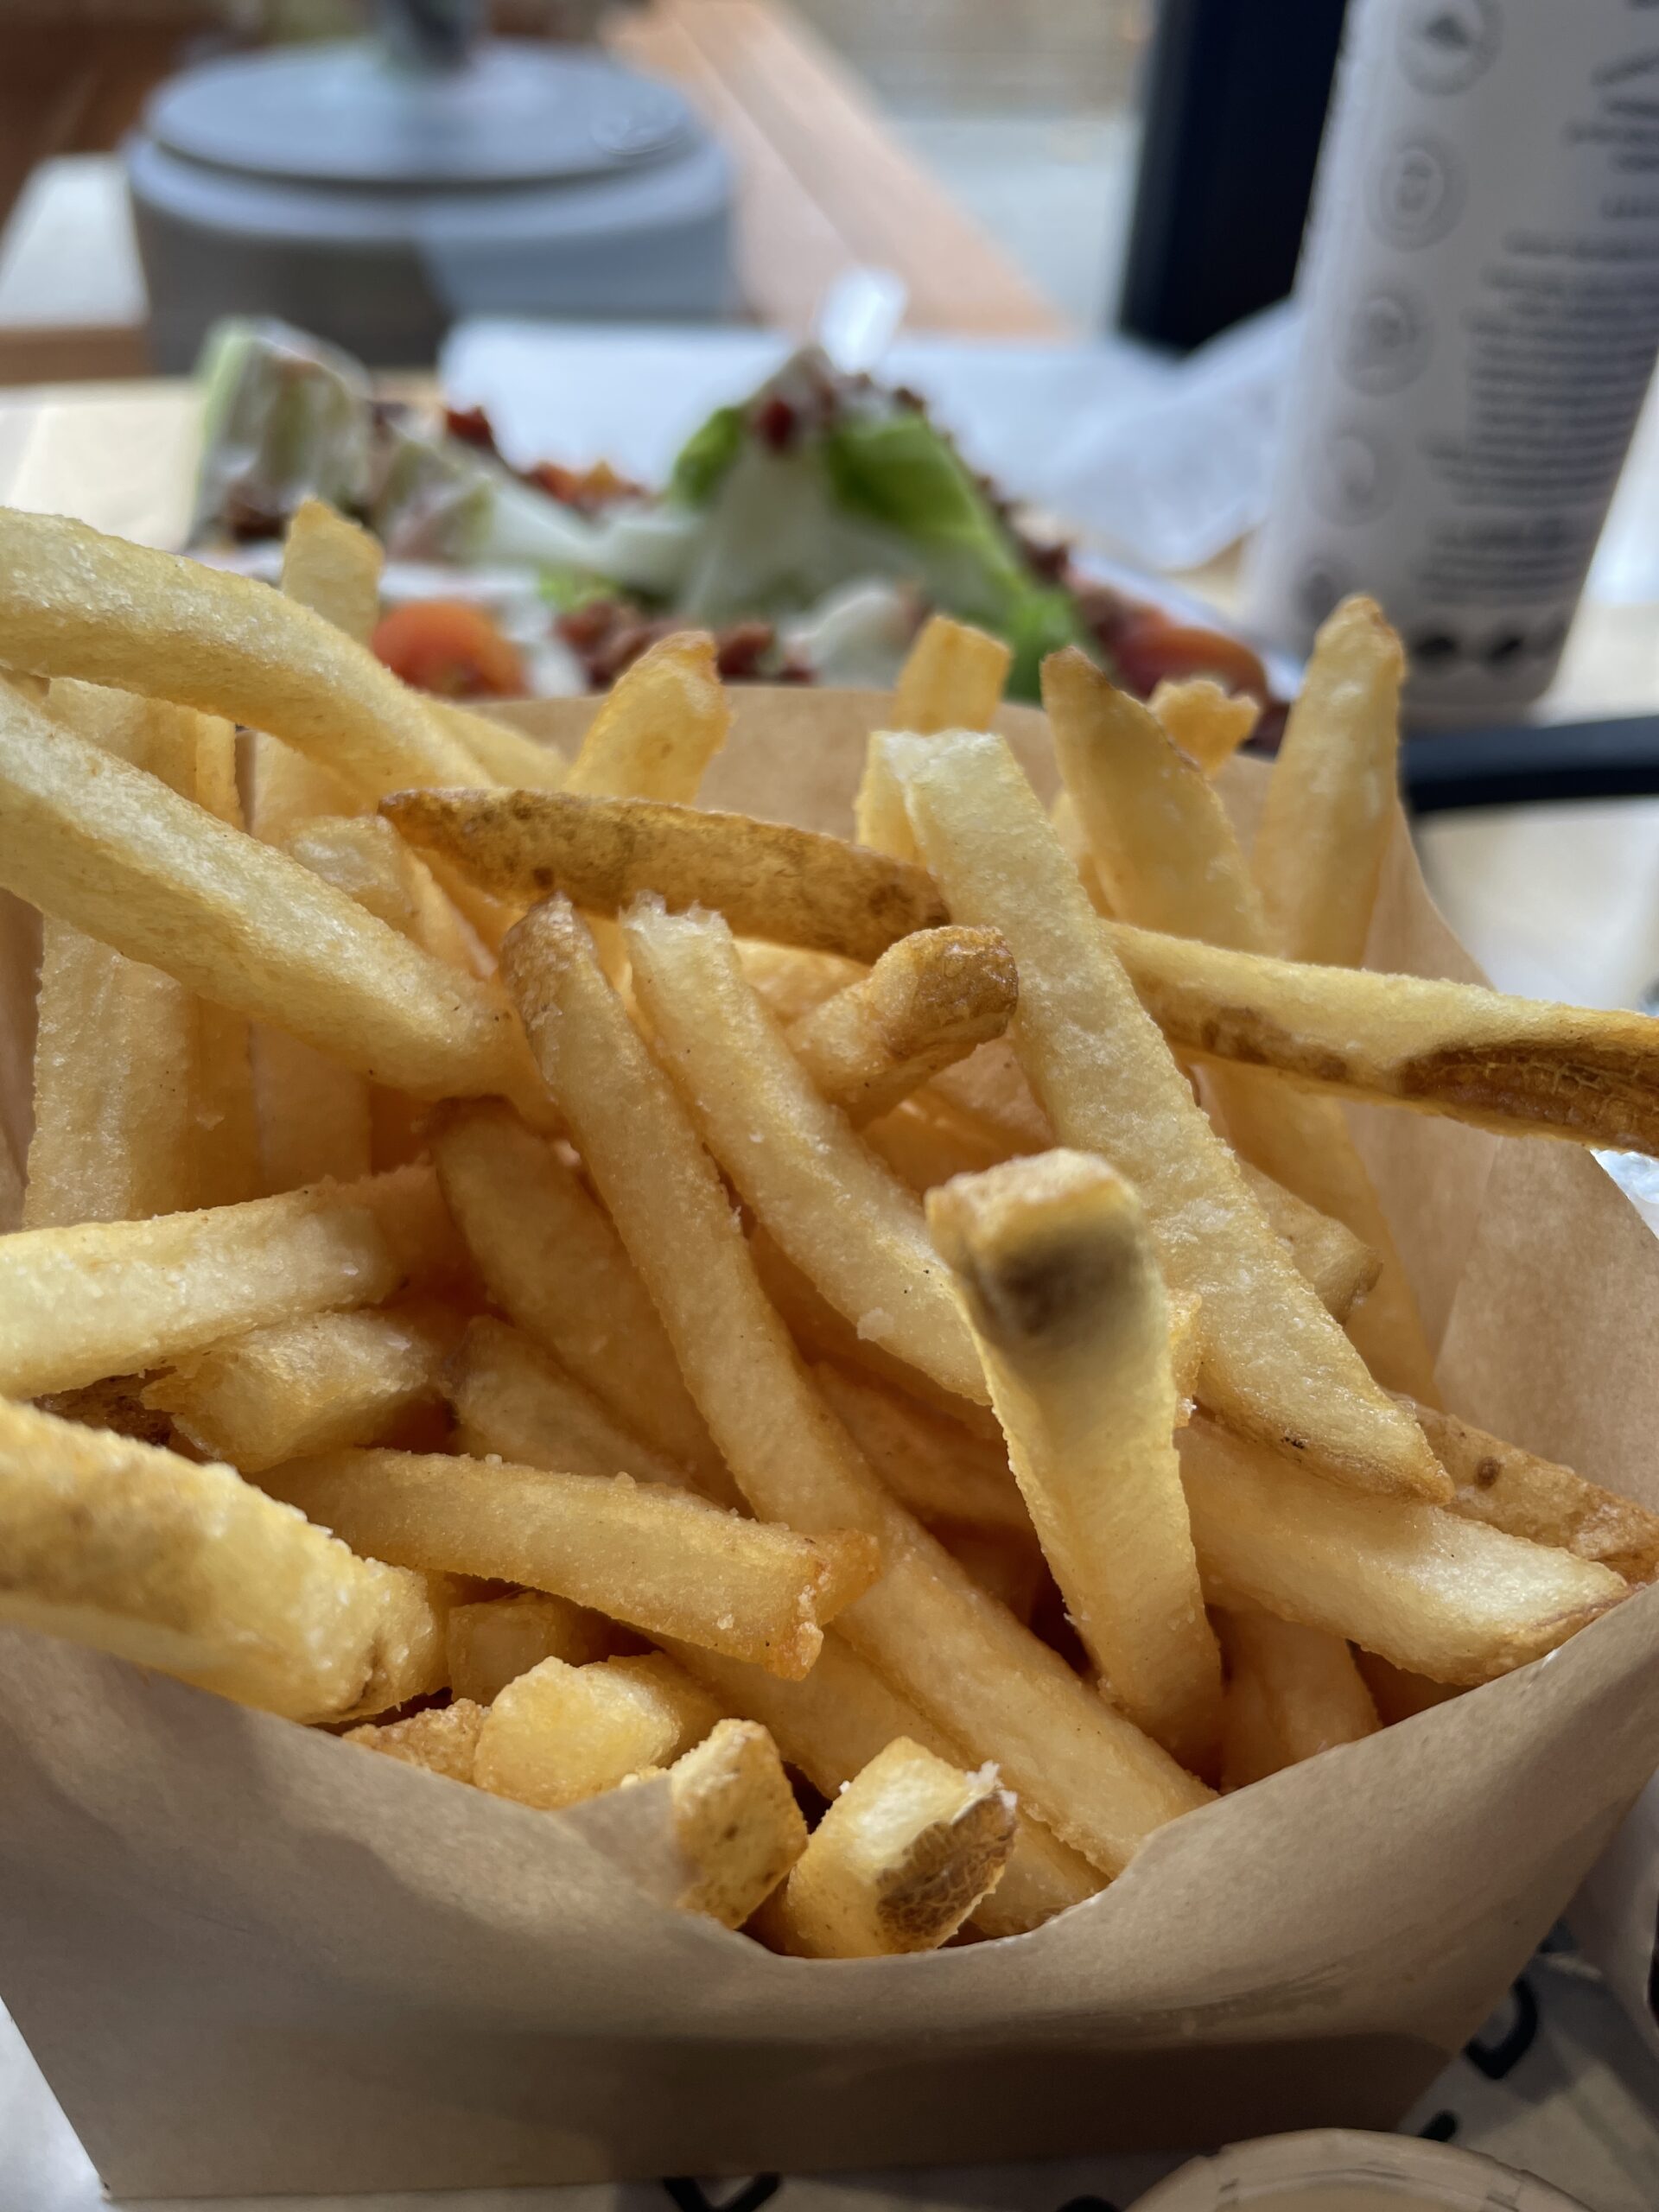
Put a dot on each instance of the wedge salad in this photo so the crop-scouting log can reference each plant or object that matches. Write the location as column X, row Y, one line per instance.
column 812, row 526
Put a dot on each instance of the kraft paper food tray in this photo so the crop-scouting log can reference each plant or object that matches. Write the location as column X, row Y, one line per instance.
column 249, row 1958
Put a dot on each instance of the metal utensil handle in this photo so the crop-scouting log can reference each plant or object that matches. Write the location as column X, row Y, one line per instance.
column 431, row 34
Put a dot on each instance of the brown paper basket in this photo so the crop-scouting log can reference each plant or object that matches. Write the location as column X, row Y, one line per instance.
column 249, row 1959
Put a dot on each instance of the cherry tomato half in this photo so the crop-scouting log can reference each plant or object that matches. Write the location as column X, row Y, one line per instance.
column 449, row 647
column 1152, row 647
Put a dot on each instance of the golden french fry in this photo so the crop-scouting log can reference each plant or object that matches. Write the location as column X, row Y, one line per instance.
column 228, row 1166
column 409, row 1209
column 665, row 1563
column 332, row 566
column 112, row 1297
column 843, row 1218
column 902, row 1857
column 934, row 1467
column 991, row 1086
column 1056, row 1269
column 1420, row 1585
column 114, row 1057
column 665, row 719
column 1291, row 1691
column 1170, row 861
column 73, row 603
column 1396, row 1695
column 443, row 1739
column 926, row 1003
column 1513, row 1490
column 491, row 1642
column 1329, row 813
column 952, row 679
column 314, row 1115
column 1340, row 1267
column 791, row 982
column 188, row 1569
column 1208, row 723
column 925, row 1142
column 512, row 1398
column 1084, row 1770
column 556, row 1268
column 880, row 821
column 559, row 1734
column 1519, row 1066
column 822, row 1333
column 1010, row 1568
column 94, row 842
column 508, row 756
column 843, row 1715
column 736, row 1820
column 317, row 1384
column 1275, row 1364
column 364, row 856
column 767, row 878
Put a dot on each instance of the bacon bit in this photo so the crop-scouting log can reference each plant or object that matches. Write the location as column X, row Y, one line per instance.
column 738, row 651
column 586, row 489
column 776, row 423
column 608, row 635
column 472, row 426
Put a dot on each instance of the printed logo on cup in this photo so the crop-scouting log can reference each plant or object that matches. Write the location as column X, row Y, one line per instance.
column 1446, row 44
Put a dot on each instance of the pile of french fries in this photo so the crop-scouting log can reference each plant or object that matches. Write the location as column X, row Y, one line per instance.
column 562, row 1288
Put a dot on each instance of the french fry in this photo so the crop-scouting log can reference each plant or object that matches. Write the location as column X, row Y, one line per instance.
column 925, row 1143
column 365, row 857
column 1340, row 1267
column 556, row 1268
column 822, row 1333
column 443, row 1739
column 1010, row 1568
column 313, row 1116
column 1329, row 812
column 228, row 1166
column 663, row 721
column 791, row 982
column 952, row 679
column 1396, row 1695
column 512, row 1398
column 926, row 1003
column 92, row 841
column 843, row 1217
column 1208, row 723
column 1084, row 1770
column 843, row 1715
column 493, row 1641
column 188, row 1568
column 409, row 1211
column 115, row 1046
column 665, row 1563
column 1420, row 1585
column 560, row 1734
column 1292, row 1693
column 508, row 756
column 73, row 603
column 991, row 1086
column 317, row 1384
column 332, row 566
column 767, row 878
column 934, row 1467
column 736, row 1820
column 1057, row 1272
column 112, row 1298
column 1513, row 1490
column 897, row 1863
column 1521, row 1067
column 1274, row 1362
column 116, row 1041
column 1170, row 861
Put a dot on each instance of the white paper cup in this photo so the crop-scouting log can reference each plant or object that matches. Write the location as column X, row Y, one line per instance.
column 1339, row 2170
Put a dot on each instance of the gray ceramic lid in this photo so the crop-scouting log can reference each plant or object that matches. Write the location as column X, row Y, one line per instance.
column 513, row 113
